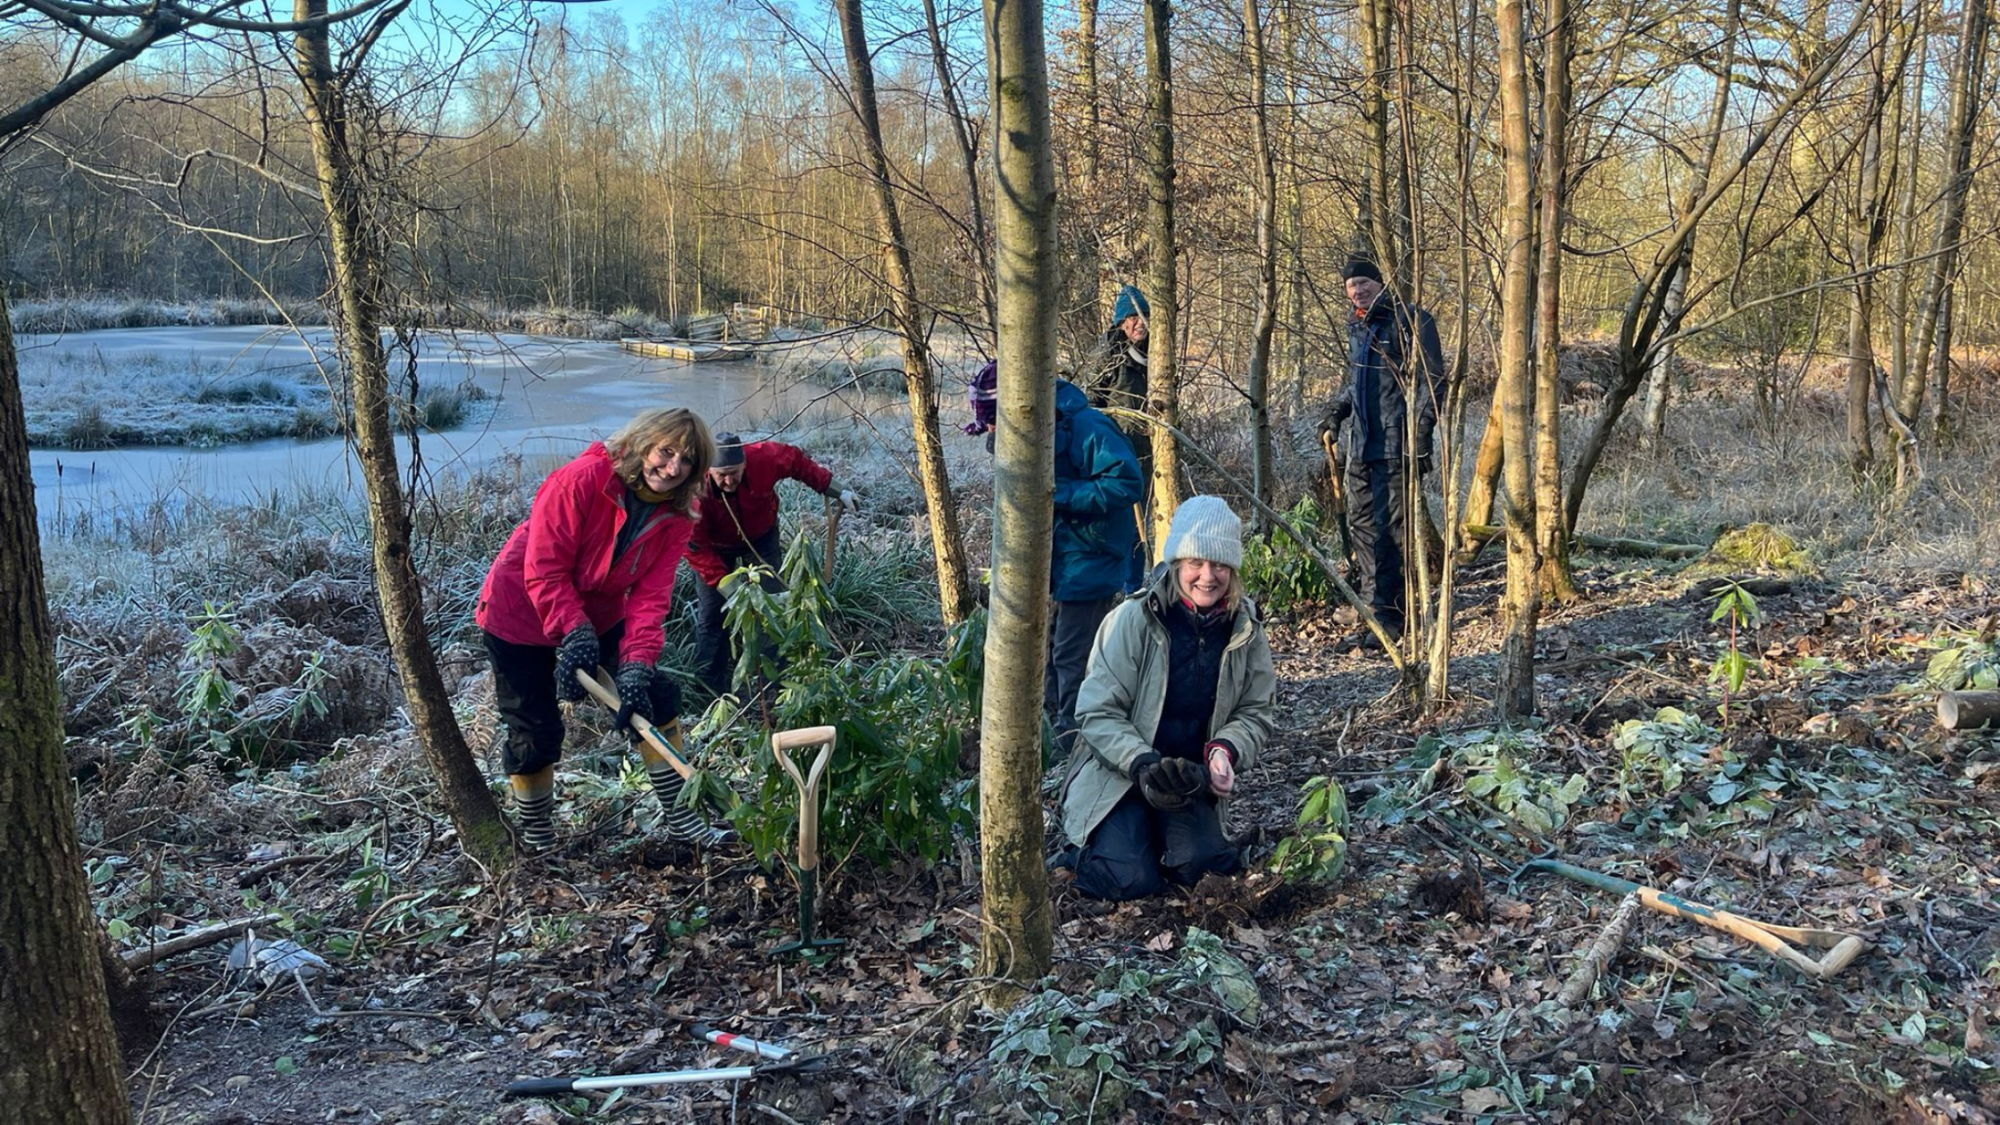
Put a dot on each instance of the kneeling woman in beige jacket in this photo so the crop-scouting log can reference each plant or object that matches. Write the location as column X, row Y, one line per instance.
column 1176, row 703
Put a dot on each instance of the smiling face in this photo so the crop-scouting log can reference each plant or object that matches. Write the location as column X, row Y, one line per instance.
column 1363, row 291
column 1134, row 327
column 726, row 479
column 665, row 467
column 1204, row 584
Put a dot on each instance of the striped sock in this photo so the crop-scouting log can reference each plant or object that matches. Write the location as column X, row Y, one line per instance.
column 683, row 823
column 535, row 803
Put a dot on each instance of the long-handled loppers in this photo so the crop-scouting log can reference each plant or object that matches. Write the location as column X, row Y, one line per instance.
column 807, row 866
column 778, row 1060
column 1779, row 941
column 608, row 696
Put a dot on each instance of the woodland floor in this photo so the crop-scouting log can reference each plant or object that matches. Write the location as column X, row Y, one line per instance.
column 1414, row 989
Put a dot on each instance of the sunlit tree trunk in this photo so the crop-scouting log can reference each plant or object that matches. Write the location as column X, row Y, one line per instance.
column 1377, row 206
column 1266, row 323
column 1017, row 939
column 1551, row 532
column 954, row 590
column 1864, row 236
column 1163, row 391
column 1520, row 604
column 59, row 1060
column 1933, row 327
column 357, row 261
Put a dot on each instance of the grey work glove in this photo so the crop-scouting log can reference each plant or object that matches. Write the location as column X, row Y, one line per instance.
column 577, row 652
column 1169, row 784
column 635, row 695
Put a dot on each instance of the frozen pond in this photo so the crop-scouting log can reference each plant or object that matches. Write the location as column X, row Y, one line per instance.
column 549, row 398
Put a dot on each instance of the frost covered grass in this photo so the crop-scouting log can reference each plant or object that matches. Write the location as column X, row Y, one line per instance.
column 81, row 398
column 92, row 313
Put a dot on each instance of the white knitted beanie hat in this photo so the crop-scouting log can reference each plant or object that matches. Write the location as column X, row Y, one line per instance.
column 1205, row 528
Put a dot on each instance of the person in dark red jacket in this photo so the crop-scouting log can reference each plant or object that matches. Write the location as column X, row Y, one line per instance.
column 739, row 527
column 588, row 578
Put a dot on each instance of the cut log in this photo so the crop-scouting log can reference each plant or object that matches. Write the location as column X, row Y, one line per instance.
column 1599, row 955
column 1968, row 710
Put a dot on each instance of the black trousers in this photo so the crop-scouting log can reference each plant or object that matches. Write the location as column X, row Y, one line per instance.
column 524, row 690
column 1072, row 629
column 1379, row 534
column 714, row 656
column 1137, row 850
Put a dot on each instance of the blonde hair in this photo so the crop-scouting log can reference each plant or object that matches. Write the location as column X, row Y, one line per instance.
column 676, row 426
column 1230, row 600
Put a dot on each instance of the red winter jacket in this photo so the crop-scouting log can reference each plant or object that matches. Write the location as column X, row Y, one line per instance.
column 555, row 572
column 731, row 519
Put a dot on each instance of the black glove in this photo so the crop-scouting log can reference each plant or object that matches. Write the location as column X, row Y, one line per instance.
column 1169, row 784
column 577, row 652
column 635, row 695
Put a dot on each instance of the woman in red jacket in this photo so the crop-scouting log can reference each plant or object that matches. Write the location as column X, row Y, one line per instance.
column 588, row 578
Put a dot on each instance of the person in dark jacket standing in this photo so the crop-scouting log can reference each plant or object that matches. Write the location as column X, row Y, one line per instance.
column 1382, row 421
column 739, row 527
column 589, row 577
column 1097, row 482
column 1122, row 376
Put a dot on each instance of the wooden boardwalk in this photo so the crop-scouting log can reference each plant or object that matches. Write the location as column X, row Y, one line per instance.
column 718, row 336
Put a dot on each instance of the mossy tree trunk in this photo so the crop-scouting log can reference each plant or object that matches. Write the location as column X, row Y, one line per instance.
column 1017, row 940
column 59, row 1060
column 1266, row 324
column 1551, row 531
column 358, row 273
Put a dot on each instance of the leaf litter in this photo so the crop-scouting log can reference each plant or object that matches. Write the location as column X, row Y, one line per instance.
column 1418, row 987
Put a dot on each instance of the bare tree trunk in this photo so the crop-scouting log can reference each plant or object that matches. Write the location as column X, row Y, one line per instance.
column 1968, row 79
column 1521, row 602
column 1864, row 235
column 1376, row 206
column 1659, row 380
column 1090, row 255
column 1163, row 390
column 1017, row 940
column 59, row 1059
column 968, row 158
column 1487, row 462
column 358, row 280
column 1266, row 324
column 1551, row 531
column 1437, row 680
column 954, row 591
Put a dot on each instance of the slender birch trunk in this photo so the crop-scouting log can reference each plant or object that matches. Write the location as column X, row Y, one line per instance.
column 1266, row 323
column 358, row 274
column 919, row 381
column 1163, row 391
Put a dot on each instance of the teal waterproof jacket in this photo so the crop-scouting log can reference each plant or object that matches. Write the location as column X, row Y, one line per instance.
column 1124, row 691
column 1097, row 483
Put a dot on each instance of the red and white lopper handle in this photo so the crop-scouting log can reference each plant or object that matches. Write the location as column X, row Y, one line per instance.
column 741, row 1043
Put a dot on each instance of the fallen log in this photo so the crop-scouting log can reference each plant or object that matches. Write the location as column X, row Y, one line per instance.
column 1968, row 710
column 1641, row 548
column 195, row 939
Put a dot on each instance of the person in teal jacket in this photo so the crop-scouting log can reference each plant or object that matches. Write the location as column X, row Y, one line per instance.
column 1097, row 482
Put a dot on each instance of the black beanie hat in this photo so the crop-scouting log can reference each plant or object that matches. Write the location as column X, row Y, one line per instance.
column 728, row 450
column 1361, row 267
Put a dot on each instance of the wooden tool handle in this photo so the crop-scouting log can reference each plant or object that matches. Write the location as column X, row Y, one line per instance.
column 804, row 736
column 609, row 697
